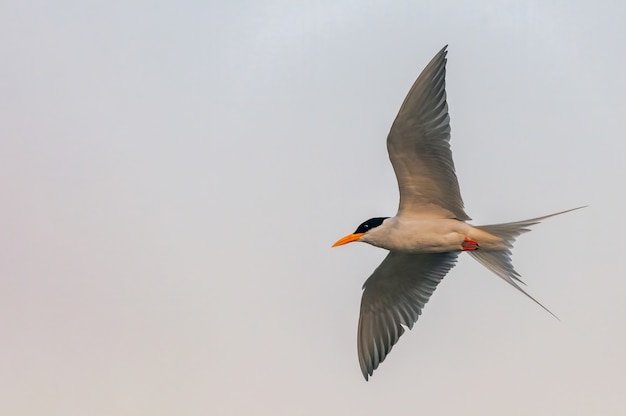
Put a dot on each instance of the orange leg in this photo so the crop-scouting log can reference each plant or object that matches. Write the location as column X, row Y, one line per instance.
column 469, row 245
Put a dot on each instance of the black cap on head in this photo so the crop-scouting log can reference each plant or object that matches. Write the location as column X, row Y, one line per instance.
column 369, row 224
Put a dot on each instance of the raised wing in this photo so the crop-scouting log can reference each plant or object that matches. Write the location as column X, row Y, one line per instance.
column 419, row 148
column 395, row 295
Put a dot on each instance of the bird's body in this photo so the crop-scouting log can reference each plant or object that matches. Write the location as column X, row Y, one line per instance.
column 429, row 235
column 429, row 230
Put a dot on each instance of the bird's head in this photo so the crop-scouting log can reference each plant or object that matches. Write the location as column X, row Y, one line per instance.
column 361, row 231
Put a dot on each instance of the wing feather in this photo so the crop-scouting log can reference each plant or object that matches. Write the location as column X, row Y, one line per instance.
column 419, row 148
column 394, row 295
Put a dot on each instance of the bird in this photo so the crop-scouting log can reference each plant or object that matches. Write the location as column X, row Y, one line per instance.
column 430, row 228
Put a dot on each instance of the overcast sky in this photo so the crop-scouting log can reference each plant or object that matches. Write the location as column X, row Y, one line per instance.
column 173, row 174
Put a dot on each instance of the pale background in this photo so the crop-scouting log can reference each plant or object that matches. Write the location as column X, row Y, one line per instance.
column 172, row 175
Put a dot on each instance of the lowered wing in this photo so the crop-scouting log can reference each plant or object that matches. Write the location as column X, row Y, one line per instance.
column 395, row 295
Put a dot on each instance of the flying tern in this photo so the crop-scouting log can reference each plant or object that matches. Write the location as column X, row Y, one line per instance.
column 429, row 230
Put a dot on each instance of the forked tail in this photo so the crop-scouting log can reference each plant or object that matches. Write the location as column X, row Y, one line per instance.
column 499, row 261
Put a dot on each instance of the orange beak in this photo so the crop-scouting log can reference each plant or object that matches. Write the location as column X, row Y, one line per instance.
column 348, row 239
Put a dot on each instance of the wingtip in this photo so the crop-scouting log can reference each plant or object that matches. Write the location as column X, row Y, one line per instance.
column 366, row 370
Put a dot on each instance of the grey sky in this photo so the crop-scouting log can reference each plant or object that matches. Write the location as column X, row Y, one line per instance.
column 174, row 173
